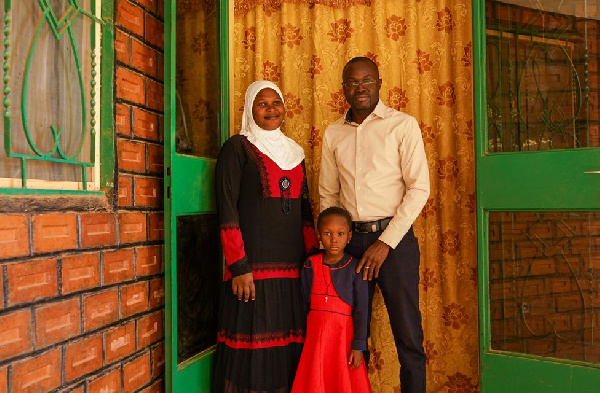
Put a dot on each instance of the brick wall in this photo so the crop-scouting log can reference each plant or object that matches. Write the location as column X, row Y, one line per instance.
column 82, row 291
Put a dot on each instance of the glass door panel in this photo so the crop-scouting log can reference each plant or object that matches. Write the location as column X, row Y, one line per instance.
column 544, row 277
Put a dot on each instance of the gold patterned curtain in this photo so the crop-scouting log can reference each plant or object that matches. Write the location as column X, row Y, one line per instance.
column 423, row 49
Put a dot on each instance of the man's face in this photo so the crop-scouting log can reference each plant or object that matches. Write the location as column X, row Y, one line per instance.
column 364, row 96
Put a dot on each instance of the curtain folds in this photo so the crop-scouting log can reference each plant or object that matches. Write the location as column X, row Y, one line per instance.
column 424, row 52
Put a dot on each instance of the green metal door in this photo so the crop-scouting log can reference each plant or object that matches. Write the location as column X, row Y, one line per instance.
column 538, row 194
column 196, row 124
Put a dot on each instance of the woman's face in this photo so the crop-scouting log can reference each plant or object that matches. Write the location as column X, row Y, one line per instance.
column 268, row 109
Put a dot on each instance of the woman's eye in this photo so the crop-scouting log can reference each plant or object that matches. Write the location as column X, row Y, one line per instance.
column 340, row 233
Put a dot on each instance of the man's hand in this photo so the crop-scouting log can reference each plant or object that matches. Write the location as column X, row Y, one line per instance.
column 243, row 287
column 373, row 259
column 355, row 358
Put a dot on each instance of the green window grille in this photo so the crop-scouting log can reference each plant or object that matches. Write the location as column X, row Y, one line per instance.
column 57, row 70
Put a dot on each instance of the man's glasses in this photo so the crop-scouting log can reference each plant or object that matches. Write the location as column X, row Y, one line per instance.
column 354, row 84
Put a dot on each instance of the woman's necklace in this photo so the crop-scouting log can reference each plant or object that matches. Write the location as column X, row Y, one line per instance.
column 327, row 284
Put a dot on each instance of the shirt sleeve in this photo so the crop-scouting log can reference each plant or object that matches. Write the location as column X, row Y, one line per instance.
column 360, row 314
column 311, row 245
column 329, row 181
column 228, row 176
column 415, row 174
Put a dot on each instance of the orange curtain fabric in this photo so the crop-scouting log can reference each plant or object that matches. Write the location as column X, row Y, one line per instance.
column 424, row 52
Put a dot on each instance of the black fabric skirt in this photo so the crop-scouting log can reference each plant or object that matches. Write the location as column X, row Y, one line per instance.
column 260, row 342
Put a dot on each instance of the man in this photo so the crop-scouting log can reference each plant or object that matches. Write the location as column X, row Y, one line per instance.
column 373, row 164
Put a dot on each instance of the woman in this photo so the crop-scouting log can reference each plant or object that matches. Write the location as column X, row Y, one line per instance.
column 266, row 232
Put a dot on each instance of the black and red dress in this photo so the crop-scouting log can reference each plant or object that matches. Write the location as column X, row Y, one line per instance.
column 267, row 229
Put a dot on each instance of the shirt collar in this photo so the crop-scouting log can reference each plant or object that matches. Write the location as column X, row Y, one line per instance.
column 378, row 111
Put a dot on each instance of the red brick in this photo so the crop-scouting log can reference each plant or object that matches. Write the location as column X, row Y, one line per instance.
column 136, row 373
column 122, row 47
column 1, row 290
column 130, row 17
column 15, row 334
column 156, row 387
column 149, row 329
column 123, row 119
column 37, row 374
column 130, row 86
column 117, row 266
column 155, row 96
column 125, row 197
column 3, row 380
column 108, row 383
column 31, row 280
column 56, row 322
column 155, row 31
column 145, row 124
column 148, row 260
column 134, row 298
column 143, row 58
column 150, row 5
column 157, row 292
column 158, row 360
column 160, row 73
column 83, row 357
column 132, row 155
column 73, row 389
column 119, row 342
column 14, row 236
column 53, row 232
column 147, row 191
column 79, row 272
column 156, row 229
column 100, row 309
column 156, row 154
column 132, row 227
column 98, row 229
column 161, row 9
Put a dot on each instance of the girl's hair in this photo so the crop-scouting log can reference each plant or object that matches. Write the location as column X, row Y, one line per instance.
column 335, row 211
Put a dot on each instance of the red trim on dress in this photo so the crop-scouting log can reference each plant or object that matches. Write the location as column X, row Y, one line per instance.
column 233, row 244
column 310, row 238
column 271, row 173
column 275, row 270
column 258, row 341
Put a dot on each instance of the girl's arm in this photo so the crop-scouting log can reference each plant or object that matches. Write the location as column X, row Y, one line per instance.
column 360, row 313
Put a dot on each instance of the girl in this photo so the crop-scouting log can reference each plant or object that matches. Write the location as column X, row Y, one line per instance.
column 337, row 301
column 266, row 231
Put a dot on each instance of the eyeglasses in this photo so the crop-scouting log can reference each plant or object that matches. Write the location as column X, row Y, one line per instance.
column 354, row 84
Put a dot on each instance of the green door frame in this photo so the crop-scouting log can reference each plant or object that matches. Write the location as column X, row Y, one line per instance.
column 519, row 182
column 188, row 190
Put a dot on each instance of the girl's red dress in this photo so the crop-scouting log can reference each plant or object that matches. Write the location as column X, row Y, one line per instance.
column 324, row 364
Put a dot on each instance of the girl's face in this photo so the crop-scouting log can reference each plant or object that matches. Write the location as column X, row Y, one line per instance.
column 334, row 234
column 268, row 109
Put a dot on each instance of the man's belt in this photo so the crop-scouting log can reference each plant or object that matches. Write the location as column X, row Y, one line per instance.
column 370, row 226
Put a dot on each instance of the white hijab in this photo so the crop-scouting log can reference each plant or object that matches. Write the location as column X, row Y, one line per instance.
column 286, row 153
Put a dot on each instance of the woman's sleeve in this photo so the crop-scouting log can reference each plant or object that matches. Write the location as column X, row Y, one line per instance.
column 360, row 313
column 228, row 176
column 306, row 283
column 311, row 245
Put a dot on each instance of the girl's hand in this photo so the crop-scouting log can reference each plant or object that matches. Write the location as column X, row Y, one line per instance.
column 355, row 358
column 243, row 287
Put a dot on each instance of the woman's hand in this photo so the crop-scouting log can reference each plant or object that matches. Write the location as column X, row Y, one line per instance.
column 243, row 287
column 355, row 358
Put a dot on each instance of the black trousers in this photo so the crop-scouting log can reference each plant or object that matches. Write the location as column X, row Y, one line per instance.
column 399, row 284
